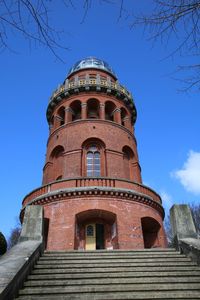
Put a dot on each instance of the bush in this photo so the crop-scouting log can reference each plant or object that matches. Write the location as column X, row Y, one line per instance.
column 3, row 244
column 14, row 236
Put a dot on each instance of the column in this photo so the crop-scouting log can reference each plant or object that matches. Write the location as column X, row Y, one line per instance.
column 50, row 128
column 102, row 111
column 83, row 111
column 57, row 122
column 136, row 172
column 127, row 123
column 117, row 115
column 68, row 115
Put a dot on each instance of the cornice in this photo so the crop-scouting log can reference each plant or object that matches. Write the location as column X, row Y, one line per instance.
column 74, row 193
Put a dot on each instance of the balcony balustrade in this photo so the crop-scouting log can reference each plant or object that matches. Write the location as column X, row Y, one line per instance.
column 80, row 182
column 90, row 81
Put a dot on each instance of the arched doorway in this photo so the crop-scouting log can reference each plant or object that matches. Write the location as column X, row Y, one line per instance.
column 95, row 230
column 150, row 229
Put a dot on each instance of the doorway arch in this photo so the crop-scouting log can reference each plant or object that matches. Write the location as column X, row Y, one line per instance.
column 96, row 229
column 151, row 229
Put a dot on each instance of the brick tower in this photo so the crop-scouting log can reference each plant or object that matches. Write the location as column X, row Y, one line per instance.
column 92, row 191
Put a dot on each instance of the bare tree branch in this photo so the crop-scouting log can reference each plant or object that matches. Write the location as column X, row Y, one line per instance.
column 30, row 19
column 177, row 20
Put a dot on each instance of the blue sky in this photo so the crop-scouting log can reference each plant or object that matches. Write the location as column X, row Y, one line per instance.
column 167, row 127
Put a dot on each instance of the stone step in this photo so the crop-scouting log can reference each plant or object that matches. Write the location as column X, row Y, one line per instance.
column 151, row 295
column 161, row 250
column 113, row 269
column 110, row 288
column 108, row 281
column 113, row 261
column 90, row 253
column 144, row 274
column 97, row 257
column 111, row 264
column 106, row 275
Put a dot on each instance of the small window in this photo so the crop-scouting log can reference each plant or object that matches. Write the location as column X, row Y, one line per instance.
column 90, row 230
column 92, row 81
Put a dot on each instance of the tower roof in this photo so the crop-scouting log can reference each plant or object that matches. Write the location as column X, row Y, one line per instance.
column 91, row 62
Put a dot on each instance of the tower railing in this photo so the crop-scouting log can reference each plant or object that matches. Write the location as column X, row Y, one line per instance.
column 90, row 81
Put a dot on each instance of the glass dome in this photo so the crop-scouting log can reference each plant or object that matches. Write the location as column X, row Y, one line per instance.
column 91, row 62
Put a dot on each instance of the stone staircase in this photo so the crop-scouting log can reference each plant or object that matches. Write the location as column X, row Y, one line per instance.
column 117, row 274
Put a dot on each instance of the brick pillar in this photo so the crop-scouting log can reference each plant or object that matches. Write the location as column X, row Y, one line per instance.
column 102, row 111
column 68, row 115
column 136, row 172
column 127, row 123
column 117, row 115
column 56, row 122
column 84, row 111
column 51, row 128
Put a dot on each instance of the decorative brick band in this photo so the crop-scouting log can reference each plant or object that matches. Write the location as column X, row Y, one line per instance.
column 91, row 121
column 71, row 193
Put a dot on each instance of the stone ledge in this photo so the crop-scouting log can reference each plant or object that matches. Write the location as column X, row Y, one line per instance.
column 191, row 248
column 15, row 265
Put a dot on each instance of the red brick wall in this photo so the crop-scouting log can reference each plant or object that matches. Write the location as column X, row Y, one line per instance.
column 114, row 139
column 62, row 219
column 72, row 137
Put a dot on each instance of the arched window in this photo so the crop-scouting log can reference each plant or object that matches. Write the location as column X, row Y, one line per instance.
column 76, row 110
column 93, row 158
column 127, row 160
column 93, row 161
column 57, row 152
column 61, row 115
column 56, row 158
column 123, row 115
column 109, row 110
column 93, row 109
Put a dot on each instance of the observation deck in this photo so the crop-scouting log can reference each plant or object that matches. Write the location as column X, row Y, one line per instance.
column 88, row 84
